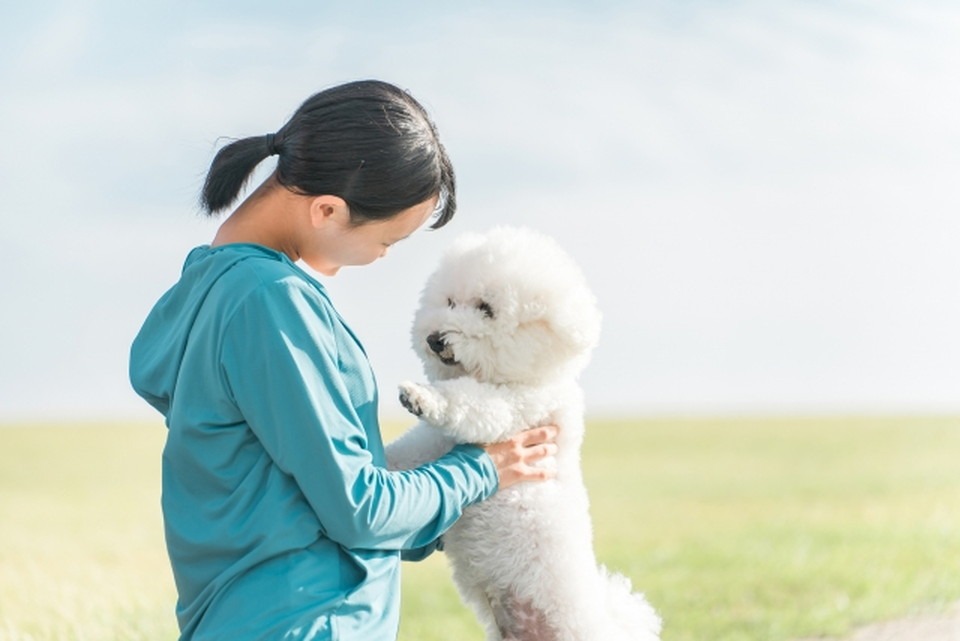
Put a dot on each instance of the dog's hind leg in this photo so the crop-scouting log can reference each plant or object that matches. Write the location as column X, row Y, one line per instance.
column 476, row 598
column 520, row 620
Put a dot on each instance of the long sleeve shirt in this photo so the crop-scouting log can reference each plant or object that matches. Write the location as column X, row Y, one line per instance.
column 281, row 519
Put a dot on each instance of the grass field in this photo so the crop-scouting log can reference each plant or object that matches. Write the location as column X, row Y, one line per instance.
column 736, row 529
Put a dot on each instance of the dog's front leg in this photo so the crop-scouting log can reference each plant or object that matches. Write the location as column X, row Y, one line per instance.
column 467, row 410
column 464, row 409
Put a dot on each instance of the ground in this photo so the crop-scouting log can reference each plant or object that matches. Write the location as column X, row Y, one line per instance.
column 933, row 627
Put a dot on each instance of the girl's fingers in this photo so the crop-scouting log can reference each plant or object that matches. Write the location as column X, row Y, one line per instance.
column 542, row 451
column 538, row 435
column 525, row 457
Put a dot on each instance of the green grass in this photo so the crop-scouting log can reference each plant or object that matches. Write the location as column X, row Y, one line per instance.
column 81, row 539
column 736, row 529
column 769, row 530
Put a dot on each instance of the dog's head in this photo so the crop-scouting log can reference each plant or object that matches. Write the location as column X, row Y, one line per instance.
column 507, row 306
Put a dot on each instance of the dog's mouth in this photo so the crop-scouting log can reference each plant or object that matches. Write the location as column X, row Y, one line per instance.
column 438, row 345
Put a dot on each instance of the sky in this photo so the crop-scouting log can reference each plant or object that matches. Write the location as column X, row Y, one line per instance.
column 763, row 196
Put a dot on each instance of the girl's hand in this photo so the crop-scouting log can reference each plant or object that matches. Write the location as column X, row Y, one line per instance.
column 515, row 458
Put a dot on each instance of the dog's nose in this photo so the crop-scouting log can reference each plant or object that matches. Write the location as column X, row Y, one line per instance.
column 436, row 342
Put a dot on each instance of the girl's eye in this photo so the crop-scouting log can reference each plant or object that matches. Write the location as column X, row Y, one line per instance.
column 484, row 307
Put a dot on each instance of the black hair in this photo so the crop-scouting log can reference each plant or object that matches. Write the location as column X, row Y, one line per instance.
column 367, row 142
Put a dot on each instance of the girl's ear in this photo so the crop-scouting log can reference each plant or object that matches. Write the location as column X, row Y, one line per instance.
column 324, row 209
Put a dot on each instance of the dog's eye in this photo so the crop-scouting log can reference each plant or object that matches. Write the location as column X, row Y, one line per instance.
column 450, row 303
column 484, row 307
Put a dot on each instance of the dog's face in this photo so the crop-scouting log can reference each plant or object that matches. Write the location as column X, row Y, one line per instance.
column 508, row 306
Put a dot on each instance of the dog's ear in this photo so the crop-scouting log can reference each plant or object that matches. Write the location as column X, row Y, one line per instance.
column 573, row 328
column 577, row 324
column 569, row 314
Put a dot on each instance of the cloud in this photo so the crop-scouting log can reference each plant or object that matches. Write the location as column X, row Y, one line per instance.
column 56, row 44
column 760, row 193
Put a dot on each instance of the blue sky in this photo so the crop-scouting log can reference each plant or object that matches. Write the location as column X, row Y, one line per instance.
column 763, row 195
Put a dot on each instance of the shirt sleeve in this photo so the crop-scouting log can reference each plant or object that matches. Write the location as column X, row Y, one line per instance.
column 281, row 364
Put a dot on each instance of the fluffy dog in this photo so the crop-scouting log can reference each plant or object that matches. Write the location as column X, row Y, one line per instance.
column 505, row 325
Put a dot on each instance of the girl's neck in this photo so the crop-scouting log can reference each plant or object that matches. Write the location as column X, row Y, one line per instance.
column 266, row 217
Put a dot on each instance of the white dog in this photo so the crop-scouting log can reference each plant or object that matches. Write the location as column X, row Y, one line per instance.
column 505, row 325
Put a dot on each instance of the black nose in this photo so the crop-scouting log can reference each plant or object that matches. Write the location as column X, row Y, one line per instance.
column 436, row 342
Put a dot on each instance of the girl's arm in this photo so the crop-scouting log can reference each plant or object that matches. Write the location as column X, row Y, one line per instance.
column 280, row 361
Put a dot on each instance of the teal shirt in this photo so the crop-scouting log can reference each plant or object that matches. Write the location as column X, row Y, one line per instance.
column 281, row 520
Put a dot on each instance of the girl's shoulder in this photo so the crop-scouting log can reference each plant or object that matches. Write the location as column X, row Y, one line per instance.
column 244, row 268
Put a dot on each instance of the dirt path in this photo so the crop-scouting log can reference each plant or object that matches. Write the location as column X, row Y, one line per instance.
column 934, row 627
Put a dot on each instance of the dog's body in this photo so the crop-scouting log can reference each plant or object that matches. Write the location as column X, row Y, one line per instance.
column 502, row 352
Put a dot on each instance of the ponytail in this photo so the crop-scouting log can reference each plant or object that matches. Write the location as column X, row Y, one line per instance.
column 368, row 142
column 231, row 169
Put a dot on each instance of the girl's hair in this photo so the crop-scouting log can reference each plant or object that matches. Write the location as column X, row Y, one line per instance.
column 368, row 142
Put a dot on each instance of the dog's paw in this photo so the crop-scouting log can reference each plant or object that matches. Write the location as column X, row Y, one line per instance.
column 420, row 400
column 409, row 398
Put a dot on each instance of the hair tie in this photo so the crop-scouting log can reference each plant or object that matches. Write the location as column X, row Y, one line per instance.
column 272, row 150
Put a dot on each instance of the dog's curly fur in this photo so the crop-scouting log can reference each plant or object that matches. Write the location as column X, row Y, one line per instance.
column 505, row 325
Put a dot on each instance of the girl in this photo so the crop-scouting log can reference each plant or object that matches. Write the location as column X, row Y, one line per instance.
column 281, row 520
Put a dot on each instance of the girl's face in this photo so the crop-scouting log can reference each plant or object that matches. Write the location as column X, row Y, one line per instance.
column 336, row 242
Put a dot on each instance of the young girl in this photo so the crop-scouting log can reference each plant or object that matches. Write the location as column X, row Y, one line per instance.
column 281, row 520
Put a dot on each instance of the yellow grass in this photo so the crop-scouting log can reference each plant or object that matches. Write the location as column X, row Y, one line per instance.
column 81, row 545
column 737, row 529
